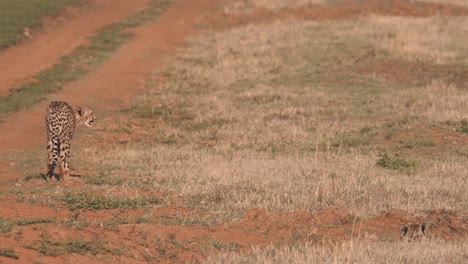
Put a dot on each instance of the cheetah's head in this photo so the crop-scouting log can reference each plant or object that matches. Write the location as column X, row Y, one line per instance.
column 84, row 116
column 414, row 231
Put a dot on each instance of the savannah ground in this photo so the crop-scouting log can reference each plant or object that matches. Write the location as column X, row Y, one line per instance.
column 283, row 131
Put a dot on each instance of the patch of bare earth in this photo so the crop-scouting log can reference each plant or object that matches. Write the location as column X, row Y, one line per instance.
column 170, row 232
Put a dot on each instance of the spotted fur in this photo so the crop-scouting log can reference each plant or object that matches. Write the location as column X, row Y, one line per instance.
column 414, row 231
column 61, row 120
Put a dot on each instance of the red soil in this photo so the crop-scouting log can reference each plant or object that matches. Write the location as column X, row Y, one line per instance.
column 171, row 242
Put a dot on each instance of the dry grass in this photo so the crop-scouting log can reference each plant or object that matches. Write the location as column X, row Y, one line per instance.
column 272, row 116
column 266, row 82
column 354, row 252
column 294, row 82
column 434, row 39
column 242, row 5
column 452, row 2
column 231, row 182
column 437, row 102
column 277, row 117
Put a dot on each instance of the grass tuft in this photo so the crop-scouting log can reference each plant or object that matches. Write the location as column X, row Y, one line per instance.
column 6, row 225
column 9, row 253
column 83, row 247
column 34, row 221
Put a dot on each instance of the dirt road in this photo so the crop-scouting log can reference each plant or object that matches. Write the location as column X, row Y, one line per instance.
column 116, row 80
column 59, row 36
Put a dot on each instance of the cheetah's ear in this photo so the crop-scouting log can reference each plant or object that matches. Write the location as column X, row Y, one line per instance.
column 424, row 228
column 403, row 230
column 80, row 111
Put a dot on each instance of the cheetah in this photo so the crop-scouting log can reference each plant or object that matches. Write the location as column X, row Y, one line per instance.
column 61, row 120
column 414, row 231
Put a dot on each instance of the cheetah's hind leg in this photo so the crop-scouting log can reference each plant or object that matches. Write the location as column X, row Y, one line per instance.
column 50, row 163
column 52, row 159
column 64, row 158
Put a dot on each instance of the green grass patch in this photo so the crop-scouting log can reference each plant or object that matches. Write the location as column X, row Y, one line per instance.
column 9, row 253
column 82, row 60
column 397, row 162
column 417, row 143
column 15, row 15
column 98, row 202
column 24, row 222
column 83, row 247
column 6, row 225
column 117, row 220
